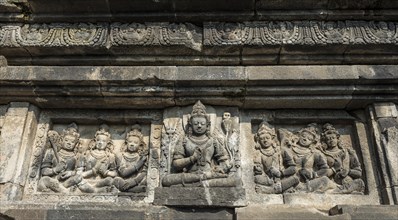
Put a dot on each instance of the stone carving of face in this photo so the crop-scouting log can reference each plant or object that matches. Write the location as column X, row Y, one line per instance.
column 101, row 141
column 70, row 142
column 331, row 140
column 306, row 139
column 199, row 125
column 266, row 140
column 133, row 143
column 226, row 115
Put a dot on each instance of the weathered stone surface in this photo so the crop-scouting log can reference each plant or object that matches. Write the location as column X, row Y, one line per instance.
column 200, row 196
column 365, row 212
column 284, row 212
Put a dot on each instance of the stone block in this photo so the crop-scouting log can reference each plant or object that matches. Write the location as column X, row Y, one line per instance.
column 200, row 196
column 366, row 212
column 386, row 110
column 284, row 212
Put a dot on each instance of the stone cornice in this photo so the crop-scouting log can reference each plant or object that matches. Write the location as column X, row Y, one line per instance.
column 258, row 40
column 189, row 35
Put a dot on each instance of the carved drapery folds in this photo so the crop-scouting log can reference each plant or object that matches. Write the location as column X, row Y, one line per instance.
column 69, row 165
column 306, row 160
column 199, row 152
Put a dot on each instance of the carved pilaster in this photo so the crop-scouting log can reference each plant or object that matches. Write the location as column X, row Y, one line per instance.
column 384, row 122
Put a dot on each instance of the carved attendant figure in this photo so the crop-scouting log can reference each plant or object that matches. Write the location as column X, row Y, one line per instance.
column 198, row 156
column 59, row 163
column 345, row 168
column 267, row 168
column 311, row 165
column 99, row 163
column 131, row 163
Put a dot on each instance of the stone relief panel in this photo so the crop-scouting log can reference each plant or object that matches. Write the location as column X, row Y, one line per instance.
column 199, row 150
column 167, row 34
column 309, row 159
column 258, row 33
column 73, row 159
column 300, row 33
column 54, row 35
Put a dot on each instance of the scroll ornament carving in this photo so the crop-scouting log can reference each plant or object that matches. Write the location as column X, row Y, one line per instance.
column 300, row 33
column 156, row 34
column 305, row 161
column 259, row 33
column 69, row 167
column 200, row 157
column 54, row 35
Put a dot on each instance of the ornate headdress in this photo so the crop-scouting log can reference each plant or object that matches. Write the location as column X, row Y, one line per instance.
column 135, row 132
column 71, row 130
column 311, row 129
column 198, row 109
column 330, row 129
column 103, row 130
column 266, row 128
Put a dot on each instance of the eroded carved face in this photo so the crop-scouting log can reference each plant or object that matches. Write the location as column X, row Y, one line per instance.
column 266, row 140
column 69, row 142
column 306, row 139
column 199, row 125
column 133, row 143
column 101, row 141
column 331, row 140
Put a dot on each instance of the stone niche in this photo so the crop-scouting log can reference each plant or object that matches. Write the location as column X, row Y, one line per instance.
column 202, row 155
column 94, row 156
column 307, row 158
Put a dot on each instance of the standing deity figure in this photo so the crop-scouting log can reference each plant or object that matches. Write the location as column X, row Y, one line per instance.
column 311, row 165
column 58, row 168
column 132, row 163
column 268, row 170
column 344, row 166
column 198, row 158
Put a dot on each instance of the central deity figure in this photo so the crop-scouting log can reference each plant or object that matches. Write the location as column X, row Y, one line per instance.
column 199, row 159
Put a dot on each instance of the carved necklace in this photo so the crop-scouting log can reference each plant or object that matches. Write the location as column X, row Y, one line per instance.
column 334, row 153
column 301, row 151
column 130, row 156
column 198, row 141
column 66, row 154
column 99, row 154
column 268, row 151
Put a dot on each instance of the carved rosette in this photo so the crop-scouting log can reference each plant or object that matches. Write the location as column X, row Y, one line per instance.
column 164, row 34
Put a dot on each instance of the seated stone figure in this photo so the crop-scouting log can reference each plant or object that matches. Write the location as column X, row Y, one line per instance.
column 99, row 164
column 198, row 158
column 267, row 168
column 131, row 163
column 344, row 166
column 311, row 166
column 58, row 168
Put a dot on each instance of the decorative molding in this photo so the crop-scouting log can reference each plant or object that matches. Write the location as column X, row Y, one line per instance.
column 155, row 34
column 190, row 36
column 300, row 33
